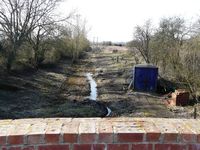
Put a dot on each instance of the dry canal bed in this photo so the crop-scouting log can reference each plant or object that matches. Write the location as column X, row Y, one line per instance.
column 65, row 90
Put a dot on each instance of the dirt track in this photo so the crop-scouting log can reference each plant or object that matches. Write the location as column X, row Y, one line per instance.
column 113, row 76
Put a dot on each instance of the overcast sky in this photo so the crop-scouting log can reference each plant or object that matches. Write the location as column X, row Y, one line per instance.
column 114, row 20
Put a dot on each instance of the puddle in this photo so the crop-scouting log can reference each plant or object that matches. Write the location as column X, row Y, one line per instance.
column 93, row 91
column 93, row 87
column 109, row 112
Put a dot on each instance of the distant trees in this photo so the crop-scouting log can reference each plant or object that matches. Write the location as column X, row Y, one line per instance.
column 72, row 40
column 30, row 24
column 79, row 33
column 107, row 43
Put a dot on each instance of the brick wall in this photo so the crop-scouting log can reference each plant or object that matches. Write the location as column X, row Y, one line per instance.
column 100, row 134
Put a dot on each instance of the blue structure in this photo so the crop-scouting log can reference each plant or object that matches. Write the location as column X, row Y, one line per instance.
column 145, row 77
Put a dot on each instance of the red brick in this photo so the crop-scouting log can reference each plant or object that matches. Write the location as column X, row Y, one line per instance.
column 52, row 138
column 182, row 97
column 105, row 132
column 118, row 147
column 28, row 148
column 130, row 137
column 153, row 137
column 187, row 138
column 82, row 147
column 170, row 137
column 54, row 147
column 194, row 147
column 14, row 148
column 87, row 138
column 170, row 147
column 15, row 139
column 18, row 148
column 142, row 147
column 98, row 147
column 53, row 126
column 2, row 140
column 34, row 139
column 4, row 148
column 198, row 138
column 105, row 138
column 70, row 138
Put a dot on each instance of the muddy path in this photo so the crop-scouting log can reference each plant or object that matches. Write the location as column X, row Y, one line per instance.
column 64, row 90
column 58, row 91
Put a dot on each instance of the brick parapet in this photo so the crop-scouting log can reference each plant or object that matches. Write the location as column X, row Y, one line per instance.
column 100, row 134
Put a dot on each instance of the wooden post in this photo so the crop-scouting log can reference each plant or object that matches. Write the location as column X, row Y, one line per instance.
column 195, row 112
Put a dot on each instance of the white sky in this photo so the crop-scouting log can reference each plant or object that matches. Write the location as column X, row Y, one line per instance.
column 114, row 20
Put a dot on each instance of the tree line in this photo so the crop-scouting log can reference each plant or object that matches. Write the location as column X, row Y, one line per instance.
column 31, row 33
column 174, row 46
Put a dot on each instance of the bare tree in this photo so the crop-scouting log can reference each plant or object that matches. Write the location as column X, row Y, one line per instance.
column 19, row 18
column 47, row 27
column 168, row 41
column 142, row 37
column 35, row 39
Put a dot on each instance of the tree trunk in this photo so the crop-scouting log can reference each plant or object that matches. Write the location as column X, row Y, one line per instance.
column 35, row 65
column 10, row 59
column 9, row 63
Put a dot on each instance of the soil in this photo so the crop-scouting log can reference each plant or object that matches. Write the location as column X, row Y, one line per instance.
column 63, row 90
